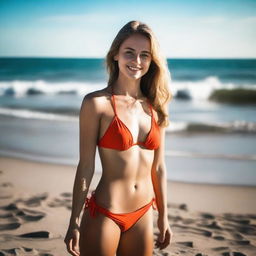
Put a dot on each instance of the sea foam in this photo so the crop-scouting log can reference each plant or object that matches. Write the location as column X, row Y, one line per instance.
column 196, row 90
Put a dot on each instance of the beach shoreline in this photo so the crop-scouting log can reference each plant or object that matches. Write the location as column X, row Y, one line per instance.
column 199, row 214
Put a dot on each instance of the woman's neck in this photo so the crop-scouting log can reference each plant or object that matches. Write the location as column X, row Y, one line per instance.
column 127, row 87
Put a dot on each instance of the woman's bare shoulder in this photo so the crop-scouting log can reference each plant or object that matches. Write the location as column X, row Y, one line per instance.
column 96, row 99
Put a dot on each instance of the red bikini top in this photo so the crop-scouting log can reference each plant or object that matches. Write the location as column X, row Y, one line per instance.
column 119, row 137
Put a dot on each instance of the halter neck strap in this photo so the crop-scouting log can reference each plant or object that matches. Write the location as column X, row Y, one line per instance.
column 114, row 103
column 151, row 110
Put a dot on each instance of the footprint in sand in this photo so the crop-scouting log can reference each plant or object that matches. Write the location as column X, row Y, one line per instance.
column 220, row 238
column 8, row 218
column 237, row 236
column 66, row 194
column 233, row 254
column 251, row 216
column 8, row 221
column 188, row 221
column 193, row 230
column 23, row 213
column 25, row 251
column 183, row 207
column 234, row 217
column 177, row 206
column 37, row 234
column 175, row 218
column 16, row 216
column 6, row 190
column 65, row 200
column 207, row 215
column 212, row 225
column 9, row 226
column 30, row 215
column 242, row 228
column 9, row 207
column 6, row 215
column 240, row 221
column 34, row 201
column 240, row 242
column 187, row 243
column 221, row 248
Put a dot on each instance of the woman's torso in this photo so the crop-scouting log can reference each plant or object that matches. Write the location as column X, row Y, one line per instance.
column 126, row 183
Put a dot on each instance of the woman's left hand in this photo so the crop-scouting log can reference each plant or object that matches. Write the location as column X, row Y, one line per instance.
column 165, row 235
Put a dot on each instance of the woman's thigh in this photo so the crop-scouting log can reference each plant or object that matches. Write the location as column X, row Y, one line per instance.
column 98, row 236
column 138, row 240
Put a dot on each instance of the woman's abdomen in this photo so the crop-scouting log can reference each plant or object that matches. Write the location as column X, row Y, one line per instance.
column 126, row 183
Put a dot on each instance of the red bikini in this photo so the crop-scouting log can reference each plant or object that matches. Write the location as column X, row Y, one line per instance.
column 123, row 220
column 119, row 137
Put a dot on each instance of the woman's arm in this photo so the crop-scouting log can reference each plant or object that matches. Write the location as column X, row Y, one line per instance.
column 89, row 119
column 159, row 181
column 159, row 177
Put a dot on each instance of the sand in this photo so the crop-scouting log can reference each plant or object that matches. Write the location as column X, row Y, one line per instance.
column 35, row 203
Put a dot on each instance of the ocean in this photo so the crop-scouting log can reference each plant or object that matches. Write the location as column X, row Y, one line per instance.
column 209, row 140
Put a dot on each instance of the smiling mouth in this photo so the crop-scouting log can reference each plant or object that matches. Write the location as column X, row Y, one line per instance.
column 134, row 68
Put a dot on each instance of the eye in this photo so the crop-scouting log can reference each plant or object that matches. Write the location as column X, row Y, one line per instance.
column 145, row 55
column 129, row 52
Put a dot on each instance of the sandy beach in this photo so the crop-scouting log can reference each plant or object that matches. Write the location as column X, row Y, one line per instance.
column 35, row 203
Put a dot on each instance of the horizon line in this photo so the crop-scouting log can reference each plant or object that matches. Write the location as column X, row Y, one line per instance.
column 89, row 57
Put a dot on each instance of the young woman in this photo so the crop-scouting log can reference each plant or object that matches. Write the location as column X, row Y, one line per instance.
column 127, row 121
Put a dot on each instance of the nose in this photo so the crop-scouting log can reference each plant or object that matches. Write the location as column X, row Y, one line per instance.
column 137, row 58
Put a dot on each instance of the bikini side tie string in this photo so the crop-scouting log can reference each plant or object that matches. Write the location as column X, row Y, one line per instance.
column 90, row 203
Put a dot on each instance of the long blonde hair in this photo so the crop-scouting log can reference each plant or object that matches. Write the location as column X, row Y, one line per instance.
column 154, row 84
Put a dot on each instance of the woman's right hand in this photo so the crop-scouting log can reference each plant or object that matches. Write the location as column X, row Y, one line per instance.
column 72, row 241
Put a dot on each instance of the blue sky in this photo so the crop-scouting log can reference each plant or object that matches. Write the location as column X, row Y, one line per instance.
column 74, row 28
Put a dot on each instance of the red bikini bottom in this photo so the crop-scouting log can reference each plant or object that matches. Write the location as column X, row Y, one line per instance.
column 123, row 220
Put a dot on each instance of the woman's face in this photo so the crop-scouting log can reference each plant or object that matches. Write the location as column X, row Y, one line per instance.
column 134, row 57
